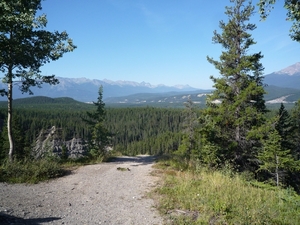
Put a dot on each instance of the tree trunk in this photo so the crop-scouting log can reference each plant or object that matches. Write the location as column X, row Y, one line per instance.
column 277, row 171
column 238, row 151
column 9, row 120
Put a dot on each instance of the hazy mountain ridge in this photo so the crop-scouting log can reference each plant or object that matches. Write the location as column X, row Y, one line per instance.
column 283, row 85
column 198, row 97
column 274, row 95
column 172, row 99
column 86, row 90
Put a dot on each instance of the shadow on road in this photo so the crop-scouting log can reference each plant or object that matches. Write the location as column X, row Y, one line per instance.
column 8, row 219
column 140, row 159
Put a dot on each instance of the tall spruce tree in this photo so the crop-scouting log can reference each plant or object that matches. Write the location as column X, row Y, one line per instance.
column 237, row 104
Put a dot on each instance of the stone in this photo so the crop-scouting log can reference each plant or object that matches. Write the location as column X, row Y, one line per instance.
column 50, row 143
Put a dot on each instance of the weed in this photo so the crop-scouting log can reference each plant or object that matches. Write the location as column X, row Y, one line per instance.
column 223, row 197
column 30, row 171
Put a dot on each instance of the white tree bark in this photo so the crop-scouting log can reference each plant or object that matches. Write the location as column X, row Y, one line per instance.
column 9, row 121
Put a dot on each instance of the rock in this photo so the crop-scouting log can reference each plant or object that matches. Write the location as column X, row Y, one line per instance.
column 50, row 143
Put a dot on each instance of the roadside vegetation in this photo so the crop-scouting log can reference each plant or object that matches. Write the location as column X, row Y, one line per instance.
column 197, row 195
column 236, row 164
column 30, row 171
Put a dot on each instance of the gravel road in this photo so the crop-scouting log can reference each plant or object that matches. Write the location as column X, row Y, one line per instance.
column 94, row 194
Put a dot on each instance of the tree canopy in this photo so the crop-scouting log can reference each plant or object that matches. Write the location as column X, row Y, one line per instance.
column 100, row 136
column 237, row 103
column 26, row 46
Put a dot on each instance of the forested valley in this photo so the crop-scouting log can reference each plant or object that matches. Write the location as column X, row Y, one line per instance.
column 134, row 131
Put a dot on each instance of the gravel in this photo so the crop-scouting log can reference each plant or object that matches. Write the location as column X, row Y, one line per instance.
column 107, row 193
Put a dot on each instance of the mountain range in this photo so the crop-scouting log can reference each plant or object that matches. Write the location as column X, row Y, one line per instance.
column 282, row 86
column 86, row 90
column 288, row 77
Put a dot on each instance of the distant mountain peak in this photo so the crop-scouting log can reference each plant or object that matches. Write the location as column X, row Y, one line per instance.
column 127, row 83
column 120, row 83
column 291, row 70
column 179, row 86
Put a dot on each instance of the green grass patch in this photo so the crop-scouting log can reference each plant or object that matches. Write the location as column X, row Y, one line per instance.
column 34, row 171
column 30, row 171
column 218, row 197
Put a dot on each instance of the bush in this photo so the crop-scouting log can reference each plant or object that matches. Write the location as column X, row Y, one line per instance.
column 223, row 197
column 30, row 171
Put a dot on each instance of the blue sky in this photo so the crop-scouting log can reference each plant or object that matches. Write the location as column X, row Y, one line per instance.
column 156, row 41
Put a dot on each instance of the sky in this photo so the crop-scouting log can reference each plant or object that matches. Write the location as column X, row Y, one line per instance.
column 157, row 41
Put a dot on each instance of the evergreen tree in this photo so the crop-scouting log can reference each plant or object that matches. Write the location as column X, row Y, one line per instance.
column 99, row 134
column 21, row 150
column 190, row 124
column 3, row 154
column 64, row 153
column 237, row 104
column 274, row 158
column 285, row 128
column 296, row 132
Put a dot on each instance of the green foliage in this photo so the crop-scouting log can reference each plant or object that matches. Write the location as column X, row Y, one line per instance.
column 273, row 156
column 144, row 130
column 275, row 159
column 210, row 154
column 296, row 124
column 223, row 197
column 189, row 147
column 30, row 171
column 26, row 46
column 285, row 128
column 64, row 153
column 38, row 102
column 99, row 134
column 163, row 143
column 136, row 130
column 21, row 151
column 237, row 104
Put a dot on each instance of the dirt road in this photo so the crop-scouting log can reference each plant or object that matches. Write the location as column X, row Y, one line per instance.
column 108, row 193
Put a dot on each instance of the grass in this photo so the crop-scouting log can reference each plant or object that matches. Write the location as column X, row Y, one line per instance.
column 30, row 171
column 34, row 171
column 222, row 197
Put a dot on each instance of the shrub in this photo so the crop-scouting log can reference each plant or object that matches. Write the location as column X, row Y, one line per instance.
column 30, row 171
